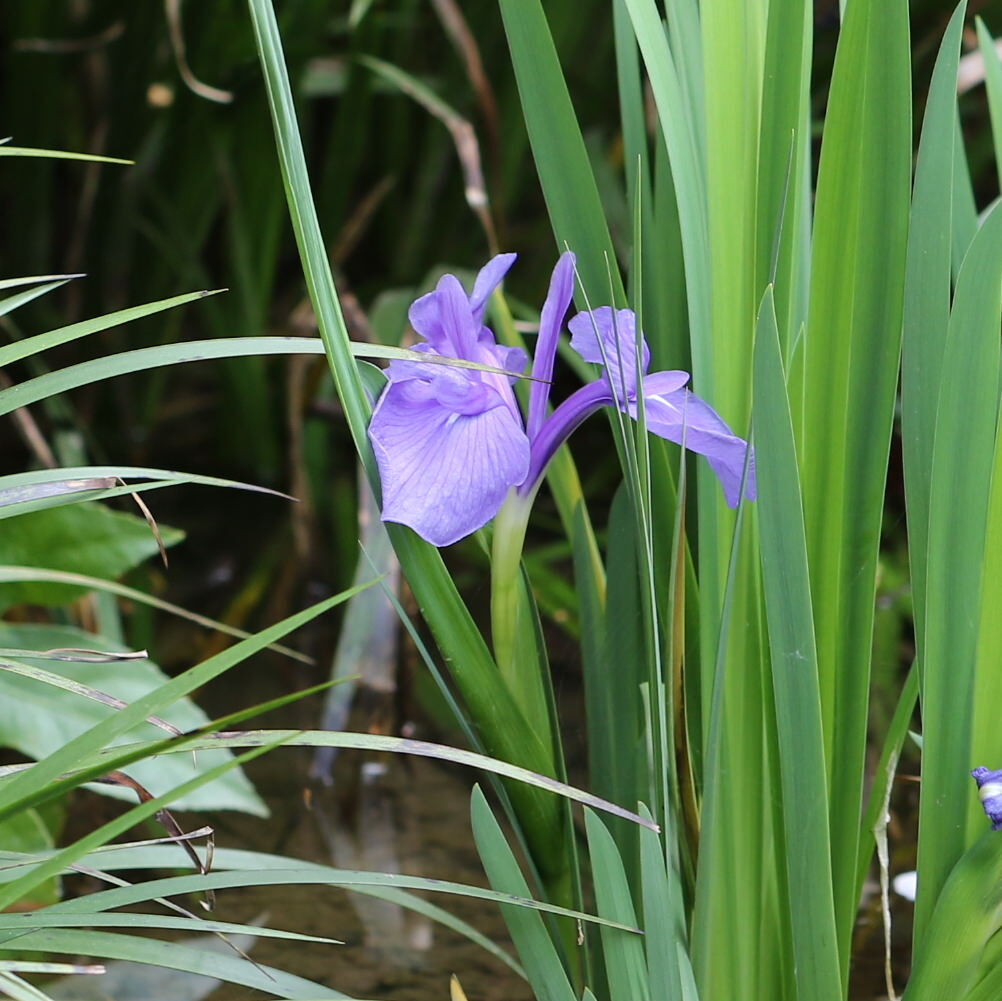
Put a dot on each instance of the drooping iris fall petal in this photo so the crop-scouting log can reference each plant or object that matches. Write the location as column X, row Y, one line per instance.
column 681, row 416
column 444, row 473
column 609, row 338
column 449, row 441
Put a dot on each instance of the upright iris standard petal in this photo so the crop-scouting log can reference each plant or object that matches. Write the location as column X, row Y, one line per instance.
column 488, row 279
column 609, row 337
column 551, row 319
column 448, row 319
column 990, row 794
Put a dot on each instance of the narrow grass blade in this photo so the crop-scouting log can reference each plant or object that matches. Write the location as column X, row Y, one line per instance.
column 46, row 918
column 23, row 492
column 684, row 139
column 11, row 574
column 305, row 224
column 784, row 196
column 987, row 695
column 19, row 790
column 13, row 302
column 140, row 360
column 55, row 154
column 309, row 874
column 12, row 892
column 113, row 858
column 29, row 346
column 664, row 920
column 110, row 945
column 19, row 989
column 399, row 745
column 7, row 283
column 883, row 775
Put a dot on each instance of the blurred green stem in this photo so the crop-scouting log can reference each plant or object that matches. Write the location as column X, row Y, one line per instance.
column 515, row 647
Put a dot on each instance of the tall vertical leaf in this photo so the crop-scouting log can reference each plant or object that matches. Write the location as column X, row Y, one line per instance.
column 927, row 301
column 794, row 676
column 962, row 463
column 498, row 719
column 557, row 146
column 851, row 364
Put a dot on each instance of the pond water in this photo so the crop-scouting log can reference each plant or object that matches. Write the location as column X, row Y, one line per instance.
column 391, row 815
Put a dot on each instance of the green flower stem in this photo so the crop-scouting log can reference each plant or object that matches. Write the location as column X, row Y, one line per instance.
column 516, row 650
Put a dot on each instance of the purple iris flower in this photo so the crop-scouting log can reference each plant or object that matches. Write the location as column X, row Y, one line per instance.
column 990, row 794
column 450, row 443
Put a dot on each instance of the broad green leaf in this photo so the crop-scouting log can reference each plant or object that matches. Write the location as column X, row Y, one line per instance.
column 993, row 84
column 807, row 848
column 927, row 302
column 543, row 968
column 960, row 484
column 81, row 538
column 965, row 210
column 967, row 913
column 37, row 719
column 623, row 953
column 27, row 832
column 852, row 351
column 558, row 149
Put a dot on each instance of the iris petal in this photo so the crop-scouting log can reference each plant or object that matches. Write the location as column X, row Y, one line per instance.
column 550, row 321
column 681, row 413
column 609, row 338
column 990, row 794
column 444, row 474
column 488, row 279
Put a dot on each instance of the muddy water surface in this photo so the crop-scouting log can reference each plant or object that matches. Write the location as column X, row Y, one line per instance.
column 386, row 814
